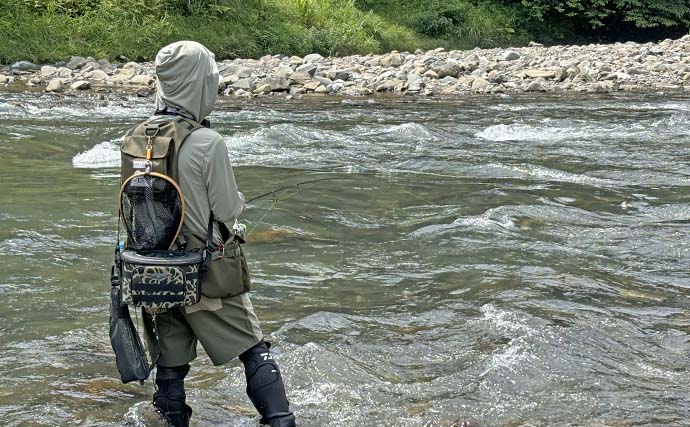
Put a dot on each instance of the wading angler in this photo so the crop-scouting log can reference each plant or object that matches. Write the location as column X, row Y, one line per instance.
column 182, row 261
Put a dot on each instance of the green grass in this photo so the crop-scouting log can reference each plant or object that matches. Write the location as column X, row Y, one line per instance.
column 253, row 29
column 45, row 31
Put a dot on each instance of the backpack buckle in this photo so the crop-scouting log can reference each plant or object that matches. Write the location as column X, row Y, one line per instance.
column 152, row 129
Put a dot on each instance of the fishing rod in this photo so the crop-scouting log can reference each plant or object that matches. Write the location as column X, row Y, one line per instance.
column 288, row 187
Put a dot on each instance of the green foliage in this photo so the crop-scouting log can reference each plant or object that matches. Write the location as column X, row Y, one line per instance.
column 457, row 23
column 52, row 30
column 613, row 14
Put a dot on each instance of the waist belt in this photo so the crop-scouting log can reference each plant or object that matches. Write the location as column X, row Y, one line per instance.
column 222, row 252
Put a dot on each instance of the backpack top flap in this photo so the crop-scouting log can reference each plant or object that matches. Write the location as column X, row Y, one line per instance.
column 158, row 140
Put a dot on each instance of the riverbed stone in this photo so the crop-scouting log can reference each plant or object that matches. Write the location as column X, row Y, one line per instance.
column 141, row 79
column 48, row 71
column 262, row 89
column 324, row 80
column 344, row 75
column 449, row 69
column 241, row 93
column 431, row 74
column 283, row 70
column 130, row 72
column 64, row 72
column 277, row 84
column 299, row 78
column 390, row 85
column 312, row 86
column 510, row 55
column 24, row 66
column 480, row 85
column 76, row 62
column 97, row 75
column 80, row 85
column 605, row 86
column 244, row 84
column 313, row 57
column 535, row 86
column 308, row 69
column 55, row 85
column 393, row 59
column 534, row 74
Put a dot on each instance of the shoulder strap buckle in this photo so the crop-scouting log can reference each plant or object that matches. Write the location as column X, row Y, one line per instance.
column 152, row 129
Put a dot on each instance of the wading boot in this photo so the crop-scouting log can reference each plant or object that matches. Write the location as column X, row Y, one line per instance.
column 169, row 398
column 265, row 387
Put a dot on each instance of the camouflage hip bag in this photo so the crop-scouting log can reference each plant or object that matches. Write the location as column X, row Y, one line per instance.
column 161, row 279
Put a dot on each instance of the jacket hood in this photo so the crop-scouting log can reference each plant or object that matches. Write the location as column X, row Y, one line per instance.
column 187, row 78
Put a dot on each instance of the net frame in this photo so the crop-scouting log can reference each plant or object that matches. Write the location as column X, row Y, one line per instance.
column 156, row 175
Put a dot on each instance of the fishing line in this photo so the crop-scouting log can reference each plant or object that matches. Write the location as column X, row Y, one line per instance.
column 275, row 202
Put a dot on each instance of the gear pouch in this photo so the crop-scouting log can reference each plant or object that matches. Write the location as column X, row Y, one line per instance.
column 228, row 274
column 161, row 279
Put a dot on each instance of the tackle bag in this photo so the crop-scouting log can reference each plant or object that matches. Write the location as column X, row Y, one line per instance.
column 154, row 270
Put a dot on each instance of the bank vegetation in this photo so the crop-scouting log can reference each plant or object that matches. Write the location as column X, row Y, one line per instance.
column 45, row 31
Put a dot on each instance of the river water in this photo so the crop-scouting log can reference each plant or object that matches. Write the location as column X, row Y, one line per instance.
column 519, row 260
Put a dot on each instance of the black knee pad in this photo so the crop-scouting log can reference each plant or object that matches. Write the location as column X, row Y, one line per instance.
column 265, row 386
column 170, row 395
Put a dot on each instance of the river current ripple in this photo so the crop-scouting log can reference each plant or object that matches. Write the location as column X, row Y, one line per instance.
column 519, row 260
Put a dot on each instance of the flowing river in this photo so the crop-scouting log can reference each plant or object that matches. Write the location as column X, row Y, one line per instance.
column 520, row 260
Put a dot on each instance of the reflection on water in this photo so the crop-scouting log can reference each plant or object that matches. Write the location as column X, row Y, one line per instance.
column 516, row 260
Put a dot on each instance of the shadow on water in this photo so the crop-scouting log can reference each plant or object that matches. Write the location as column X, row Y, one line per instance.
column 517, row 260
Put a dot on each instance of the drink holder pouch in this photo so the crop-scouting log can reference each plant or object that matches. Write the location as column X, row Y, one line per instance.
column 228, row 274
column 161, row 279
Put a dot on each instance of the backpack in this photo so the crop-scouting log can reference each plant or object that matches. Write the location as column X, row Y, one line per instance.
column 153, row 269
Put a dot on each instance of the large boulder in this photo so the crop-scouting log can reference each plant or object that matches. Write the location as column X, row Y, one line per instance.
column 48, row 71
column 80, row 85
column 141, row 79
column 64, row 72
column 535, row 74
column 24, row 66
column 313, row 57
column 76, row 62
column 97, row 75
column 452, row 69
column 312, row 86
column 244, row 84
column 55, row 85
column 393, row 59
column 343, row 75
column 480, row 85
column 510, row 55
column 308, row 69
column 299, row 78
column 535, row 86
column 277, row 84
column 240, row 71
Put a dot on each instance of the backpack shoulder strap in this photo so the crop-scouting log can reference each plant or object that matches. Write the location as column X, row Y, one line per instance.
column 183, row 128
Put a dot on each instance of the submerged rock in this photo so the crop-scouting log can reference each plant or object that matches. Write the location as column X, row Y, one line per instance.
column 143, row 414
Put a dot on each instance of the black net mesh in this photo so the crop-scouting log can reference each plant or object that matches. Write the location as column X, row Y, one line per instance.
column 151, row 212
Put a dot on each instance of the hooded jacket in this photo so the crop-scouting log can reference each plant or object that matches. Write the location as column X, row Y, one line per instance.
column 188, row 80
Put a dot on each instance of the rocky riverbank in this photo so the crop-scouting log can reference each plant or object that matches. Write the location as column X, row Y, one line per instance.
column 591, row 68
